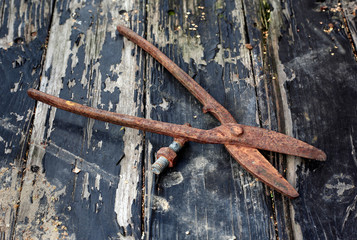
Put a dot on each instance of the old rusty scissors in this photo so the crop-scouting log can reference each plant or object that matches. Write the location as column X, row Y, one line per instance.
column 241, row 141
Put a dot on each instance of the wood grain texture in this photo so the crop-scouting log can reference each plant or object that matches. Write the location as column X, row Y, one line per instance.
column 316, row 74
column 83, row 177
column 268, row 98
column 65, row 176
column 349, row 12
column 207, row 195
column 23, row 30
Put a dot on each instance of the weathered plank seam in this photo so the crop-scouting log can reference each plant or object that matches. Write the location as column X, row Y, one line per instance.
column 284, row 116
column 257, row 79
column 349, row 33
column 31, row 117
column 144, row 110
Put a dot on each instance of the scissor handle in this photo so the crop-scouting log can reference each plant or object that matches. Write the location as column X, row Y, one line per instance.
column 208, row 102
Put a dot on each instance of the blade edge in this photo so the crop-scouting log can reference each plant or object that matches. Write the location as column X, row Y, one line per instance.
column 260, row 138
column 255, row 163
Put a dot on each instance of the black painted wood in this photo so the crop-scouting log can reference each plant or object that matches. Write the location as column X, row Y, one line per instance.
column 257, row 17
column 22, row 48
column 317, row 71
column 207, row 195
column 85, row 179
column 23, row 31
column 349, row 13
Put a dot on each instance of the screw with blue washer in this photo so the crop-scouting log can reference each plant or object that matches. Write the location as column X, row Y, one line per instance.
column 166, row 156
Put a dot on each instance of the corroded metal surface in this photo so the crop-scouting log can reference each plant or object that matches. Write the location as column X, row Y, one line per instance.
column 240, row 140
column 167, row 156
column 223, row 134
column 229, row 133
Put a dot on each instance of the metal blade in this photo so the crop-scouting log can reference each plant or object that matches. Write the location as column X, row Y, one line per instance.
column 277, row 142
column 255, row 163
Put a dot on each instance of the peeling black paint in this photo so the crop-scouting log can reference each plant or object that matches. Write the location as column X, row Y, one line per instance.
column 205, row 195
column 321, row 90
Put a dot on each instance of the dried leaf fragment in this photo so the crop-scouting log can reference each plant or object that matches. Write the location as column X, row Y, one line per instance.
column 249, row 46
column 76, row 170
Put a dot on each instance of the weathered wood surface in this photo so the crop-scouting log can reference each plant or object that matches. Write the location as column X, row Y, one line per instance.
column 92, row 169
column 207, row 195
column 316, row 77
column 23, row 31
column 65, row 176
column 73, row 181
column 348, row 9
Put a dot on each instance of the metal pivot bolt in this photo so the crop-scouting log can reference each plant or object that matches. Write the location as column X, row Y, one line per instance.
column 166, row 156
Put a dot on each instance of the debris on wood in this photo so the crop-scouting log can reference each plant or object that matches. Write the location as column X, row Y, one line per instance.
column 76, row 170
column 249, row 46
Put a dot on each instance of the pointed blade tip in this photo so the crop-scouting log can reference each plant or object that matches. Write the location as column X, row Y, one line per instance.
column 292, row 195
column 321, row 156
column 287, row 190
column 316, row 154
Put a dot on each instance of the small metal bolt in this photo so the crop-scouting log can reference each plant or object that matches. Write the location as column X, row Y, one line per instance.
column 162, row 162
column 175, row 146
column 159, row 165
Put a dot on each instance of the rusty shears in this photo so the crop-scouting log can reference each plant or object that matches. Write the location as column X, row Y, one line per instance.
column 241, row 141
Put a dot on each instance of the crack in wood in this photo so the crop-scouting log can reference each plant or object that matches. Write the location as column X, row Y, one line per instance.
column 119, row 199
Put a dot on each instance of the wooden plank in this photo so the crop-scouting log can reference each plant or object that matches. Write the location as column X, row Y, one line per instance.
column 349, row 11
column 257, row 19
column 83, row 177
column 207, row 195
column 23, row 31
column 316, row 79
column 104, row 200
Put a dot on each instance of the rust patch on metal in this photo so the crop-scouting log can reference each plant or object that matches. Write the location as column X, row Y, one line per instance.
column 241, row 141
